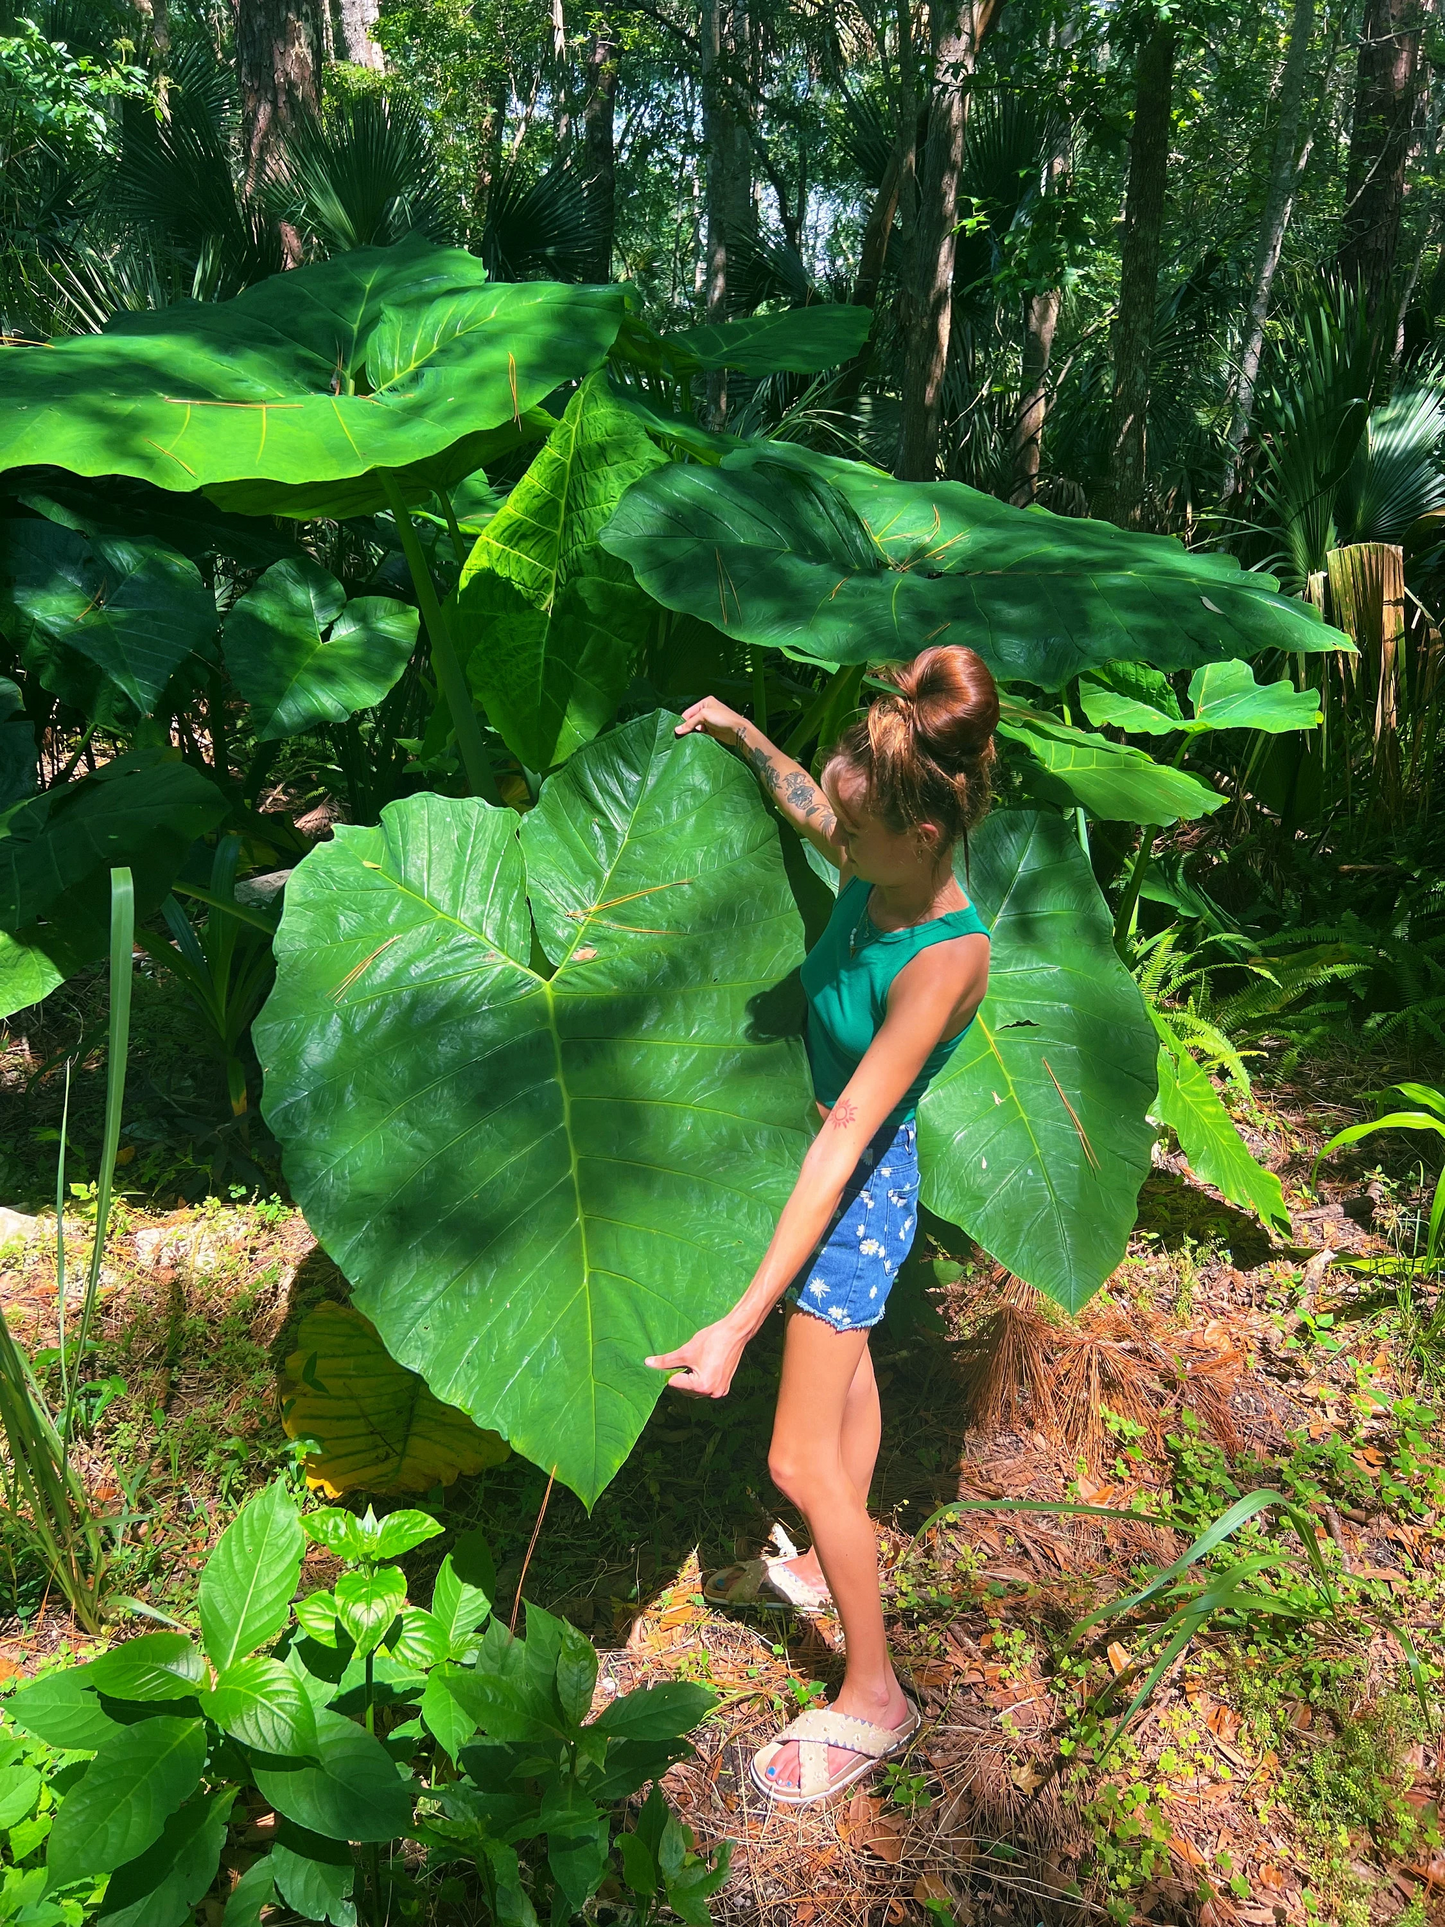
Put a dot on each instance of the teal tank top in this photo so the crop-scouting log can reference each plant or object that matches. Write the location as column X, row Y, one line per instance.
column 847, row 990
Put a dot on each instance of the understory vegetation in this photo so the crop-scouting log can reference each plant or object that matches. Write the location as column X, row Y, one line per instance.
column 406, row 411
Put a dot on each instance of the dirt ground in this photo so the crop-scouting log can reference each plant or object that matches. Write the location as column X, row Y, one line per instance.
column 1283, row 1772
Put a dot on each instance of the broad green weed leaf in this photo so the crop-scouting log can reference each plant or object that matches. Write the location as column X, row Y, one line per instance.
column 250, row 1896
column 537, row 1176
column 1035, row 1139
column 62, row 1709
column 249, row 1579
column 129, row 1790
column 422, row 1641
column 163, row 1885
column 446, row 1718
column 355, row 1793
column 464, row 1590
column 157, row 1666
column 313, row 1875
column 662, row 1712
column 301, row 654
column 367, row 1603
column 261, row 1703
column 1224, row 695
column 19, row 1786
column 1208, row 1135
column 401, row 1532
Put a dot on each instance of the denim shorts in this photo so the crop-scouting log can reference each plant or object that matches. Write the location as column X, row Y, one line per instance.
column 847, row 1280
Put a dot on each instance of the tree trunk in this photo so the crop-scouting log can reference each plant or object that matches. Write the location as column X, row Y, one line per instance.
column 1284, row 171
column 957, row 29
column 352, row 22
column 729, row 167
column 489, row 160
column 1387, row 86
column 156, row 15
column 599, row 146
column 278, row 65
column 1139, row 275
column 1041, row 317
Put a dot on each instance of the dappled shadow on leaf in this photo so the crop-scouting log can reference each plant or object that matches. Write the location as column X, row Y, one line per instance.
column 778, row 1013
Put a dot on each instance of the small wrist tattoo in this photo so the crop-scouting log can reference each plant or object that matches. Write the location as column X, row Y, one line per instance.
column 843, row 1114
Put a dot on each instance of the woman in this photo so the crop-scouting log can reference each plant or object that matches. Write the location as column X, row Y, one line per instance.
column 892, row 986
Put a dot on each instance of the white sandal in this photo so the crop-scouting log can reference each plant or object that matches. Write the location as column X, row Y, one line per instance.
column 815, row 1731
column 757, row 1578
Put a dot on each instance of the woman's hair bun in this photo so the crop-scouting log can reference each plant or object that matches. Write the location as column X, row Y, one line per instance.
column 954, row 701
column 926, row 748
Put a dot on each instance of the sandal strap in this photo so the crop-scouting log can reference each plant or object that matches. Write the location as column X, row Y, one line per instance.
column 793, row 1588
column 820, row 1727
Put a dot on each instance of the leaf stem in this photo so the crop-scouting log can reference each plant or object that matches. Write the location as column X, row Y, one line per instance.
column 443, row 654
column 1129, row 901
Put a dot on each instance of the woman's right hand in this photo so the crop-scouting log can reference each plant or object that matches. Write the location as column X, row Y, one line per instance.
column 704, row 1366
column 712, row 718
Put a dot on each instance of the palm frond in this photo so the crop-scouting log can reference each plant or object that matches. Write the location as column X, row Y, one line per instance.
column 364, row 174
column 544, row 227
column 1397, row 474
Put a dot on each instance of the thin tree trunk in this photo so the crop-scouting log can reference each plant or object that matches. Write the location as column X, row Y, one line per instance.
column 1041, row 318
column 156, row 15
column 352, row 25
column 561, row 107
column 957, row 29
column 1387, row 85
column 489, row 161
column 1285, row 165
column 728, row 152
column 1139, row 275
column 600, row 146
column 278, row 65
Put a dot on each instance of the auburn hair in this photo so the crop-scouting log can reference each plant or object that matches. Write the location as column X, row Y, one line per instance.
column 926, row 748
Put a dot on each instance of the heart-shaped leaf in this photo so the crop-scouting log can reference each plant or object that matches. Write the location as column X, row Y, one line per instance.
column 121, row 1804
column 249, row 1579
column 261, row 1703
column 367, row 1603
column 1035, row 1139
column 355, row 1793
column 422, row 1641
column 841, row 563
column 549, row 621
column 377, row 1425
column 1112, row 781
column 377, row 358
column 516, row 1132
column 116, row 615
column 301, row 654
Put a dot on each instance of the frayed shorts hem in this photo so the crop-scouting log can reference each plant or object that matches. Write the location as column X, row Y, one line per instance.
column 856, row 1325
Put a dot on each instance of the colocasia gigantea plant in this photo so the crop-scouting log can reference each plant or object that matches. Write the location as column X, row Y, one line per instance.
column 538, row 1082
column 357, row 1720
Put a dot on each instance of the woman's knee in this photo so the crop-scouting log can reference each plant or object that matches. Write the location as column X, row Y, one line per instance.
column 807, row 1478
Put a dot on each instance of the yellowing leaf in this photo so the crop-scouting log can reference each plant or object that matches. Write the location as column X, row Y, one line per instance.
column 377, row 1425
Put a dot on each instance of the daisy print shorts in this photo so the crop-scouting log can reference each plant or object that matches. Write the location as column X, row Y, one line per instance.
column 847, row 1280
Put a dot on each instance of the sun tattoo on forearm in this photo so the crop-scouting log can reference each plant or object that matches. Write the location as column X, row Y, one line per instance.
column 843, row 1114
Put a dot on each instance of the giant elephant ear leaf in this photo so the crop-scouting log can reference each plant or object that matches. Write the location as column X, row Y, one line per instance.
column 1035, row 1139
column 795, row 341
column 378, row 358
column 837, row 561
column 301, row 654
column 549, row 621
column 519, row 1091
column 1114, row 782
column 375, row 1425
column 103, row 617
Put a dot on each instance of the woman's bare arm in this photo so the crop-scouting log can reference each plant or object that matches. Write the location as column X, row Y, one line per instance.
column 787, row 782
column 923, row 1008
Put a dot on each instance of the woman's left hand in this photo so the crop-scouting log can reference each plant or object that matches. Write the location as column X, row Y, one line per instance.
column 705, row 1365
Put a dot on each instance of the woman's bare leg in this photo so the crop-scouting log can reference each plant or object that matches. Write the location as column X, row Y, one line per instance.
column 808, row 1461
column 862, row 1433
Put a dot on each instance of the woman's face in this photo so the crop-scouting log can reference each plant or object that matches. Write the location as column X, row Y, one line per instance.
column 877, row 853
